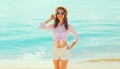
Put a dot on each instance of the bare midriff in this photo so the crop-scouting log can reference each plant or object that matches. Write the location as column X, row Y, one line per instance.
column 61, row 44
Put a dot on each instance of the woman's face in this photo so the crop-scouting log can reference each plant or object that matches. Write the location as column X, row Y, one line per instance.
column 60, row 14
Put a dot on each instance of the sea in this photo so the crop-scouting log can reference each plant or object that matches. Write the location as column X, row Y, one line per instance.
column 23, row 42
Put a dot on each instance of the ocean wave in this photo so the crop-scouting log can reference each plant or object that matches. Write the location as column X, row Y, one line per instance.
column 28, row 56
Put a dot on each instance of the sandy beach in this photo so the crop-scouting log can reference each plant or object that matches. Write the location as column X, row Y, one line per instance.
column 77, row 66
column 111, row 63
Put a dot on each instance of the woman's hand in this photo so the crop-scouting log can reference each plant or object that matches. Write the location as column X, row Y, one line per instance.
column 52, row 17
column 69, row 47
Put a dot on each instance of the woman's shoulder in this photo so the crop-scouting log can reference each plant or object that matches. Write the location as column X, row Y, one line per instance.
column 70, row 26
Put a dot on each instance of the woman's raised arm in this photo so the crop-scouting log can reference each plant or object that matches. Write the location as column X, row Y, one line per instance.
column 49, row 27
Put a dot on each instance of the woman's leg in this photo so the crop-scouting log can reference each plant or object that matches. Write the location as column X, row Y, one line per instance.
column 56, row 64
column 64, row 64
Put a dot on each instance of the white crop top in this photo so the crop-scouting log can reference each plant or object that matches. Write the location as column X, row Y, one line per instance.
column 59, row 33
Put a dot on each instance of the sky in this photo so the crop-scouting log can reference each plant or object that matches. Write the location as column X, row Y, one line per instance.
column 78, row 9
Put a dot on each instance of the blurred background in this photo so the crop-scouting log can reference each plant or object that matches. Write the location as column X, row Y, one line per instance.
column 96, row 21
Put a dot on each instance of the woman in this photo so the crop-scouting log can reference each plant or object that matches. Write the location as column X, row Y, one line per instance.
column 60, row 30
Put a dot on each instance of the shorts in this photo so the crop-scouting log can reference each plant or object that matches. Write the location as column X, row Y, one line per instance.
column 62, row 53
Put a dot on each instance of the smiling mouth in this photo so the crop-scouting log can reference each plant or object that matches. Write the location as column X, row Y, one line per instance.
column 60, row 17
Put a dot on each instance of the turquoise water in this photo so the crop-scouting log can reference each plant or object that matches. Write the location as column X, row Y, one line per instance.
column 20, row 36
column 98, row 38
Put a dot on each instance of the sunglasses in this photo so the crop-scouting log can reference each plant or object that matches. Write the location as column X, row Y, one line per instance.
column 62, row 13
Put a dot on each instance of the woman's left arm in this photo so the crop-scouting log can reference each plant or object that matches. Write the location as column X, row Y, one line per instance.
column 76, row 36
